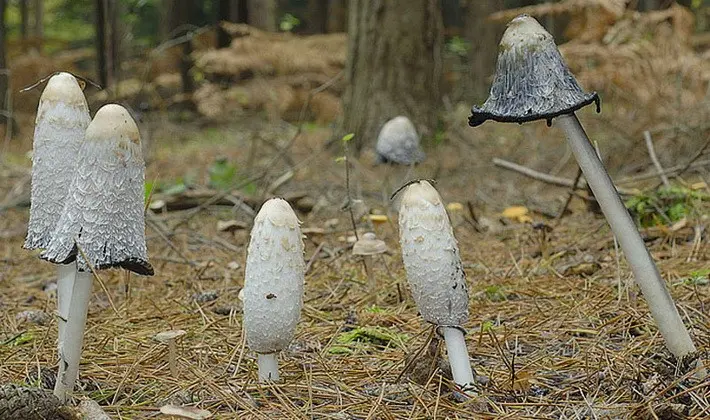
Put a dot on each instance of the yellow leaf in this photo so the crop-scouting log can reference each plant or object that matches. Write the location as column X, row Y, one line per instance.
column 519, row 214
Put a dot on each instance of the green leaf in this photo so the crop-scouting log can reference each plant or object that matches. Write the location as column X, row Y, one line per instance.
column 222, row 174
column 348, row 137
column 175, row 189
column 372, row 335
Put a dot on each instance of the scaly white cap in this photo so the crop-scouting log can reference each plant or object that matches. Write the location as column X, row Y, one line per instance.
column 103, row 212
column 274, row 277
column 62, row 118
column 431, row 257
column 398, row 142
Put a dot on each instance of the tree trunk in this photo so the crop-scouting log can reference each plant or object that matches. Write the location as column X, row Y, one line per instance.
column 230, row 11
column 483, row 37
column 262, row 14
column 317, row 17
column 4, row 72
column 181, row 11
column 337, row 18
column 393, row 67
column 39, row 23
column 116, row 34
column 24, row 18
column 101, row 56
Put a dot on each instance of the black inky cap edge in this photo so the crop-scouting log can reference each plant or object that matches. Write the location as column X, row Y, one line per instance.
column 478, row 117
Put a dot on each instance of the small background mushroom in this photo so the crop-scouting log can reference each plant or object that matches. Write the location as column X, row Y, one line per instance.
column 367, row 247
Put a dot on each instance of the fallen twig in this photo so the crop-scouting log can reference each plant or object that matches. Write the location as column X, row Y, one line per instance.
column 549, row 179
column 654, row 158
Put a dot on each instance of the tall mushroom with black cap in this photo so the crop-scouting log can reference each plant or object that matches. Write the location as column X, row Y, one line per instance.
column 273, row 284
column 434, row 271
column 62, row 118
column 532, row 82
column 102, row 223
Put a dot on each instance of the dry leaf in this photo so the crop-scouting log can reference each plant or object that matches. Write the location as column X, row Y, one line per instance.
column 185, row 412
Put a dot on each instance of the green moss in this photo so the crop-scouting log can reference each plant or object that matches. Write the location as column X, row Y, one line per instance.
column 659, row 207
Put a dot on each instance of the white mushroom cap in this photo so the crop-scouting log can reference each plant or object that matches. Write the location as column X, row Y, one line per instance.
column 524, row 31
column 369, row 245
column 398, row 142
column 62, row 118
column 274, row 276
column 167, row 336
column 431, row 257
column 104, row 209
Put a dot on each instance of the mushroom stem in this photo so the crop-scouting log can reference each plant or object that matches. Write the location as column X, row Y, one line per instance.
column 371, row 283
column 268, row 367
column 458, row 356
column 65, row 283
column 647, row 276
column 172, row 358
column 70, row 352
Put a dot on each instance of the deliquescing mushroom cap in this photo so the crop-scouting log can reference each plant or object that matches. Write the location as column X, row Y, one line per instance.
column 532, row 81
column 398, row 142
column 274, row 278
column 62, row 118
column 166, row 336
column 431, row 256
column 103, row 212
column 369, row 245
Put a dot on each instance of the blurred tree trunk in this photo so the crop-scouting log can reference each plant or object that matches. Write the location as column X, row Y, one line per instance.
column 317, row 16
column 230, row 11
column 337, row 16
column 113, row 11
column 483, row 37
column 4, row 75
column 393, row 67
column 39, row 23
column 101, row 56
column 262, row 14
column 24, row 18
column 180, row 14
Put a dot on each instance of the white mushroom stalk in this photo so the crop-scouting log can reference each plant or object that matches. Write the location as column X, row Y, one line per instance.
column 367, row 247
column 434, row 271
column 532, row 82
column 62, row 118
column 101, row 224
column 273, row 284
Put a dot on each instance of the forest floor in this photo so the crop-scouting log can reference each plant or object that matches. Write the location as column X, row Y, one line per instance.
column 557, row 328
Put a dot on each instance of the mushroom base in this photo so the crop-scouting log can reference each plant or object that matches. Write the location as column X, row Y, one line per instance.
column 268, row 367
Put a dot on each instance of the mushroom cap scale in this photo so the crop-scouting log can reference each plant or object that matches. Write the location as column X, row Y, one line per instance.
column 274, row 278
column 62, row 118
column 398, row 142
column 103, row 211
column 431, row 257
column 532, row 81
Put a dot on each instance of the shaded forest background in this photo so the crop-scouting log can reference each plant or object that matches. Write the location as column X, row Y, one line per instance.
column 209, row 63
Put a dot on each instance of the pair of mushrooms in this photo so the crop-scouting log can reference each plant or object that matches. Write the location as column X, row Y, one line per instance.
column 87, row 202
column 274, row 276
